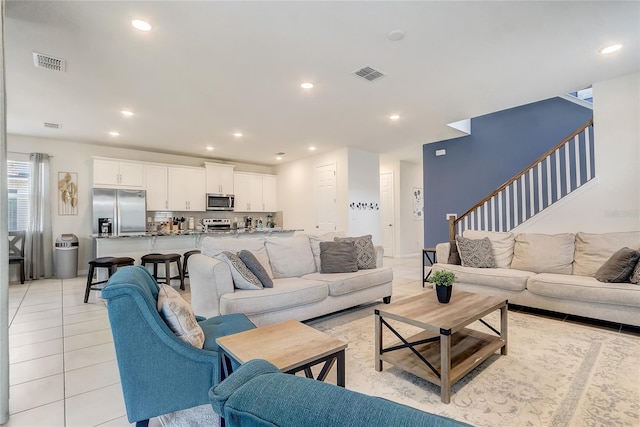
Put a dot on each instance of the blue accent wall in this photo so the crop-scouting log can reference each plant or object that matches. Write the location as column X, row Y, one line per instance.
column 501, row 144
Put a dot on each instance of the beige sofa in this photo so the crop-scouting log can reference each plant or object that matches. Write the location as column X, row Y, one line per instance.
column 553, row 273
column 299, row 291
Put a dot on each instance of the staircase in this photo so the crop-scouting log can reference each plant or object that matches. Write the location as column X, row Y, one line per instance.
column 549, row 178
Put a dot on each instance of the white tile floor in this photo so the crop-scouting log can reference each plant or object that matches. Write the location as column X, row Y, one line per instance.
column 63, row 369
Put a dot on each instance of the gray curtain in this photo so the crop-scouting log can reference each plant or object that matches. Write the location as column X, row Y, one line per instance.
column 39, row 244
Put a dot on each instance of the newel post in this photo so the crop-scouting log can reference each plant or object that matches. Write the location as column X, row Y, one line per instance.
column 452, row 227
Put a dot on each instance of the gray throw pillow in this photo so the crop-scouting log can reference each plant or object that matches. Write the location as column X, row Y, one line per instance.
column 365, row 252
column 242, row 277
column 256, row 268
column 454, row 256
column 338, row 257
column 635, row 276
column 619, row 267
column 476, row 253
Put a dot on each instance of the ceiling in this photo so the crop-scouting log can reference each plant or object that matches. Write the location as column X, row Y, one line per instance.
column 209, row 69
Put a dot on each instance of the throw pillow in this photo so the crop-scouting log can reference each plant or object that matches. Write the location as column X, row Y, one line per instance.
column 635, row 276
column 365, row 252
column 501, row 245
column 179, row 316
column 243, row 278
column 290, row 256
column 475, row 253
column 619, row 267
column 214, row 246
column 454, row 255
column 256, row 268
column 338, row 257
column 315, row 239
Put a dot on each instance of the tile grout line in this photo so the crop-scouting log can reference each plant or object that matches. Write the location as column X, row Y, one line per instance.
column 64, row 367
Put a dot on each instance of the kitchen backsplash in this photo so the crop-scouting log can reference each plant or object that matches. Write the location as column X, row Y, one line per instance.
column 156, row 220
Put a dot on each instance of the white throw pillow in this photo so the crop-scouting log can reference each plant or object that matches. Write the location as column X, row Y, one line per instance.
column 290, row 256
column 542, row 253
column 501, row 245
column 213, row 246
column 178, row 315
column 243, row 278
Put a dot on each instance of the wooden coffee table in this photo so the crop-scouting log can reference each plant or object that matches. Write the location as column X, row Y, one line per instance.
column 445, row 350
column 291, row 346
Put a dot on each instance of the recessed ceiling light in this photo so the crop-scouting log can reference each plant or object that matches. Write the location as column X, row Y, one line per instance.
column 114, row 133
column 141, row 25
column 306, row 85
column 394, row 117
column 395, row 35
column 210, row 148
column 278, row 157
column 312, row 148
column 126, row 113
column 611, row 49
column 238, row 134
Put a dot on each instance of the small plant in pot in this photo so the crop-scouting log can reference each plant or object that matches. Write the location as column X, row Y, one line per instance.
column 443, row 281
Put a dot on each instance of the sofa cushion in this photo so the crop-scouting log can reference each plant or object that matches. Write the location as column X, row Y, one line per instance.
column 315, row 239
column 256, row 267
column 593, row 250
column 583, row 288
column 290, row 256
column 243, row 278
column 345, row 283
column 619, row 267
column 635, row 276
column 501, row 278
column 543, row 253
column 286, row 293
column 212, row 246
column 501, row 245
column 365, row 252
column 338, row 257
column 475, row 253
column 178, row 315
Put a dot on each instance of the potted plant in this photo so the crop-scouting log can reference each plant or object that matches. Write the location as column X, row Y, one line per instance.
column 443, row 281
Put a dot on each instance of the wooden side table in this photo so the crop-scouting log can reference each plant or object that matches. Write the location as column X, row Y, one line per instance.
column 428, row 254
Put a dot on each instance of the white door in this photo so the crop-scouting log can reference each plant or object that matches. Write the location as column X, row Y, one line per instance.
column 386, row 211
column 325, row 191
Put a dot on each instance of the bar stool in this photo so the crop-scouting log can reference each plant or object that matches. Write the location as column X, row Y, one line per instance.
column 185, row 266
column 165, row 259
column 109, row 262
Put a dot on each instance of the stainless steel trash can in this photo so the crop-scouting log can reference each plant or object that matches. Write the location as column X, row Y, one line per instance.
column 66, row 256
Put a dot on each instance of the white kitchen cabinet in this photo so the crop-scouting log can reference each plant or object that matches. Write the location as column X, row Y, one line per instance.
column 219, row 178
column 186, row 189
column 255, row 192
column 157, row 189
column 117, row 174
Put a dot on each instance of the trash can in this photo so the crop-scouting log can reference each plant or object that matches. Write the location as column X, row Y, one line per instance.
column 66, row 256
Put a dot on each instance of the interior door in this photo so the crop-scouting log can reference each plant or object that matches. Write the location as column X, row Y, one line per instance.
column 387, row 212
column 325, row 191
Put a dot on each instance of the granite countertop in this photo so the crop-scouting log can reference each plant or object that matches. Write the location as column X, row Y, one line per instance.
column 198, row 233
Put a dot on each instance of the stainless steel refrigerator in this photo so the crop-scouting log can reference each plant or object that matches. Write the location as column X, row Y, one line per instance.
column 119, row 212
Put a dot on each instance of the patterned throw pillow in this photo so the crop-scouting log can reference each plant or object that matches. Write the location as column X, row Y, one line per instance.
column 619, row 267
column 179, row 316
column 635, row 276
column 475, row 253
column 365, row 252
column 338, row 257
column 243, row 278
column 256, row 268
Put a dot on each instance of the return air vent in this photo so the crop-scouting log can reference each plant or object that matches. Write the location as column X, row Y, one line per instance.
column 369, row 73
column 48, row 62
column 52, row 125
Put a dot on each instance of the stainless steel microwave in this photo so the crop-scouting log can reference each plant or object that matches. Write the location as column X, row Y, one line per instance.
column 220, row 202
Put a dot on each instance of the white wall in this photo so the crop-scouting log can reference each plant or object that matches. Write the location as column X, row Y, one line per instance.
column 76, row 157
column 613, row 203
column 364, row 188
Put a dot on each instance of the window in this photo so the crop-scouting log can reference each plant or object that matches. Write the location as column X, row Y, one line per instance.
column 18, row 189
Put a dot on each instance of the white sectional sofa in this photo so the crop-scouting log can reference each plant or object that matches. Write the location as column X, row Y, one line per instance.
column 299, row 290
column 552, row 272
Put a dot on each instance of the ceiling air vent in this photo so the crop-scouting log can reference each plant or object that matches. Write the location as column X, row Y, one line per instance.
column 369, row 73
column 52, row 125
column 40, row 60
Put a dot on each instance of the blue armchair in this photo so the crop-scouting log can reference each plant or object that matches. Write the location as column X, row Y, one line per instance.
column 159, row 372
column 259, row 395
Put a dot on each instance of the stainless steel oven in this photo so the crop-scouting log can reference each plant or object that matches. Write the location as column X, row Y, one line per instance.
column 220, row 202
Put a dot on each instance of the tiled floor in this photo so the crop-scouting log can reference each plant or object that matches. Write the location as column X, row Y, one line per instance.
column 63, row 368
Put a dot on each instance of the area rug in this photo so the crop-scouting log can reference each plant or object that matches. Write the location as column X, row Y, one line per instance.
column 556, row 374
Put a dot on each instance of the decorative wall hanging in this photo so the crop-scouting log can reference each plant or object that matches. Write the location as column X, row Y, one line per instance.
column 363, row 206
column 418, row 204
column 68, row 193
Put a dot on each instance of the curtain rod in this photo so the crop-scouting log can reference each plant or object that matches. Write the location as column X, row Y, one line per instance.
column 20, row 152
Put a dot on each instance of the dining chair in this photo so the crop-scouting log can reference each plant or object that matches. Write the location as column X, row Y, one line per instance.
column 16, row 250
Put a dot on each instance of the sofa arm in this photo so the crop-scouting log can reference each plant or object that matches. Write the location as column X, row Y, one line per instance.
column 442, row 252
column 209, row 279
column 379, row 256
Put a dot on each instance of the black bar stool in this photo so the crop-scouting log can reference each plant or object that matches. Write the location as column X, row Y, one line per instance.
column 185, row 266
column 165, row 259
column 112, row 263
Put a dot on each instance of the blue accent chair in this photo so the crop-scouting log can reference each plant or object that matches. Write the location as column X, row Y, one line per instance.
column 159, row 372
column 259, row 395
